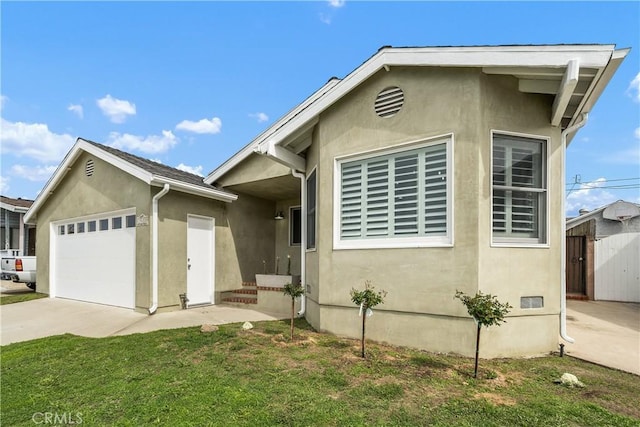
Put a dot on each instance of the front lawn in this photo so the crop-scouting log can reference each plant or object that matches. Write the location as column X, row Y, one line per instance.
column 258, row 377
column 22, row 297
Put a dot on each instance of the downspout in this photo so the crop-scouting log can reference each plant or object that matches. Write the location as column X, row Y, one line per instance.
column 563, row 244
column 303, row 240
column 154, row 248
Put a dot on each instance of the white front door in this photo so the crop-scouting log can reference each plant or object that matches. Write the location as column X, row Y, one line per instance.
column 200, row 260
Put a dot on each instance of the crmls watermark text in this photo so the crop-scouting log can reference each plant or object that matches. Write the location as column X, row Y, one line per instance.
column 57, row 418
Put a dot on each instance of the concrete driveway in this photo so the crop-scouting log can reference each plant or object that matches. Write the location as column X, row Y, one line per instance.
column 53, row 316
column 606, row 333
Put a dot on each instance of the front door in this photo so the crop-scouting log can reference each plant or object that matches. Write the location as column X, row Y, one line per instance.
column 200, row 260
column 576, row 262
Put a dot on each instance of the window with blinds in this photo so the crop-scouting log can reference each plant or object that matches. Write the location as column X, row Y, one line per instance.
column 519, row 189
column 396, row 196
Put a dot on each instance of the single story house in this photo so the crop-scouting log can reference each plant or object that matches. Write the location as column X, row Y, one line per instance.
column 18, row 238
column 426, row 170
column 603, row 249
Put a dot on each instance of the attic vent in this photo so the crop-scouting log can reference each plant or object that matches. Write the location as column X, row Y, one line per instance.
column 389, row 101
column 88, row 170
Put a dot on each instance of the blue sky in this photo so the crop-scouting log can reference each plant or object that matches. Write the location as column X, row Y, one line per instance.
column 189, row 84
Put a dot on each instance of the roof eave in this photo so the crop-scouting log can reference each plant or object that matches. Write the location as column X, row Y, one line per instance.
column 196, row 190
column 590, row 99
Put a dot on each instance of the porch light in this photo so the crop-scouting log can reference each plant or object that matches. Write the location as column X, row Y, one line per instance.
column 279, row 215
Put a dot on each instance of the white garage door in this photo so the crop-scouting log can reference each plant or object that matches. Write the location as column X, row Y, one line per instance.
column 94, row 259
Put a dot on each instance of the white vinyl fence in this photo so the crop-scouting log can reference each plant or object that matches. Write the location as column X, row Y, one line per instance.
column 617, row 268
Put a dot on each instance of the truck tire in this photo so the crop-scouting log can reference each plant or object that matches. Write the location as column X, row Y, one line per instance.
column 31, row 286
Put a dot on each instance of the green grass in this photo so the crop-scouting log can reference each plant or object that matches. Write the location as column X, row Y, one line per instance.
column 12, row 299
column 259, row 378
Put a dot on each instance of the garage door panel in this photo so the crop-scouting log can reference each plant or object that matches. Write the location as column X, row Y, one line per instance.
column 97, row 267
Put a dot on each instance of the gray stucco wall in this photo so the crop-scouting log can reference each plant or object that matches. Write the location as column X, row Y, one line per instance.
column 108, row 189
column 252, row 239
column 421, row 282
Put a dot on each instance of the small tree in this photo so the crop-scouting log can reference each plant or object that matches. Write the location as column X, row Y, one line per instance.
column 486, row 310
column 366, row 299
column 294, row 291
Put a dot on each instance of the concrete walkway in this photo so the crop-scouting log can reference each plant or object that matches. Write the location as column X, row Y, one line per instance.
column 54, row 316
column 607, row 333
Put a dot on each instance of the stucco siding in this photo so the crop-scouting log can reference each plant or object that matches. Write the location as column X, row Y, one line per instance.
column 418, row 280
column 173, row 211
column 251, row 239
column 77, row 195
column 253, row 168
column 421, row 282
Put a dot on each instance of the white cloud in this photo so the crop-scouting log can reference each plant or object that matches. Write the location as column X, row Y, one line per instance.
column 589, row 196
column 33, row 173
column 33, row 140
column 77, row 109
column 336, row 3
column 260, row 117
column 151, row 144
column 212, row 126
column 634, row 88
column 3, row 100
column 4, row 184
column 116, row 109
column 196, row 170
column 637, row 133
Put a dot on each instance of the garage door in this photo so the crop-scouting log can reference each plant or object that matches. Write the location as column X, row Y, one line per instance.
column 94, row 259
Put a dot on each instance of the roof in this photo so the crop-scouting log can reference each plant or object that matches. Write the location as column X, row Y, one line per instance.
column 153, row 167
column 15, row 205
column 148, row 171
column 575, row 75
column 594, row 213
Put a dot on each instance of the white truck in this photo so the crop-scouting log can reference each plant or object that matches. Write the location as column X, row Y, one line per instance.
column 20, row 270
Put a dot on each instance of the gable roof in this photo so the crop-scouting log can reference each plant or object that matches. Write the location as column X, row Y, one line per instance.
column 152, row 167
column 575, row 74
column 148, row 171
column 15, row 205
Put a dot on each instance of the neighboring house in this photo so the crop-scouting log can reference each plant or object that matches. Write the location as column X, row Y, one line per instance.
column 424, row 171
column 603, row 253
column 18, row 238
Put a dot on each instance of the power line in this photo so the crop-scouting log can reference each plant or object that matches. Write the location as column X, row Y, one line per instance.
column 578, row 180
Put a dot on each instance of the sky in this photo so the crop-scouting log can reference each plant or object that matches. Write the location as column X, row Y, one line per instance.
column 189, row 84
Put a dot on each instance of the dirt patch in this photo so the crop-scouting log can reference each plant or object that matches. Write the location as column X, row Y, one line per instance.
column 496, row 399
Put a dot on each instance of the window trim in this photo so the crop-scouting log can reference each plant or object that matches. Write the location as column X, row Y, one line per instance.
column 291, row 209
column 445, row 241
column 521, row 242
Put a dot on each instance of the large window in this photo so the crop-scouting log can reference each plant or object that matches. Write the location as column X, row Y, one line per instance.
column 311, row 211
column 395, row 198
column 519, row 190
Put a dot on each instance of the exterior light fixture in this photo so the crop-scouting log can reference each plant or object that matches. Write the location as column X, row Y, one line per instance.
column 279, row 215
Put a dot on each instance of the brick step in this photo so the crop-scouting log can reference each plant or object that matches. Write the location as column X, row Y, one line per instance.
column 241, row 300
column 246, row 291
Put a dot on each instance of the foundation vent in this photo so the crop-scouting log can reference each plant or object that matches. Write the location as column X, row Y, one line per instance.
column 88, row 169
column 389, row 101
column 531, row 302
